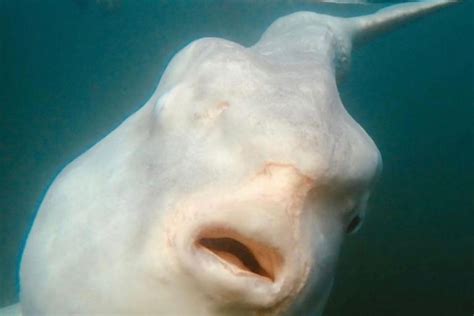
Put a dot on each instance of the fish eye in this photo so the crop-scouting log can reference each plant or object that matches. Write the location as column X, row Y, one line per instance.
column 354, row 224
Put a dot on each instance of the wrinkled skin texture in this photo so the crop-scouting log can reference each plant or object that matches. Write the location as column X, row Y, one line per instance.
column 228, row 193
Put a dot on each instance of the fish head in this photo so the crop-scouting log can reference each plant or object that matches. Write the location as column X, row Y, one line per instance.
column 228, row 193
column 273, row 172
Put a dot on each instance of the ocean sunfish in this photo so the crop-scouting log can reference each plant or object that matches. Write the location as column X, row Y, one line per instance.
column 228, row 193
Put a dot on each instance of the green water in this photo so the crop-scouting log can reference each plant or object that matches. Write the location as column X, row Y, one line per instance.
column 71, row 71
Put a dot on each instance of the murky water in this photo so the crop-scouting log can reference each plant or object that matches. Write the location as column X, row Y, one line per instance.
column 71, row 71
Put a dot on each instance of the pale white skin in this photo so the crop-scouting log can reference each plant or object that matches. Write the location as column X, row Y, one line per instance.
column 252, row 144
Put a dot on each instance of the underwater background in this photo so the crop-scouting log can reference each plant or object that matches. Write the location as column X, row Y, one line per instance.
column 72, row 70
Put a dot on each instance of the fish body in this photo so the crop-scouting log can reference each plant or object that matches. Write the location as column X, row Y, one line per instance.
column 228, row 193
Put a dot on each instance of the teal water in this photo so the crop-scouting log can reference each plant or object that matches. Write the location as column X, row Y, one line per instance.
column 71, row 71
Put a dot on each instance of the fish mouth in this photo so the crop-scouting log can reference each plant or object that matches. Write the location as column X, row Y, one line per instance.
column 242, row 255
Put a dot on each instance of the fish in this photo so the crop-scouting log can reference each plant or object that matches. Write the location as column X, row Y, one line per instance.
column 230, row 192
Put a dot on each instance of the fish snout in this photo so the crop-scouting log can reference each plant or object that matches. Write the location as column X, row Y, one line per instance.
column 240, row 254
column 247, row 247
column 235, row 268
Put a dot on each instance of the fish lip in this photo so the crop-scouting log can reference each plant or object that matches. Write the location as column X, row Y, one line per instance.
column 224, row 282
column 241, row 255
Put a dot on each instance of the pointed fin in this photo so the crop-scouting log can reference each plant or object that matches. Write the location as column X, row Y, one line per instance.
column 366, row 27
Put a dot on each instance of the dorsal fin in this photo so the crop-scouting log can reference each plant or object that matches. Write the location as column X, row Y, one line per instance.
column 366, row 27
column 329, row 39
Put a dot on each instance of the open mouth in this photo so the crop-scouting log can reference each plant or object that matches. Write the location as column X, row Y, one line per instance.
column 245, row 254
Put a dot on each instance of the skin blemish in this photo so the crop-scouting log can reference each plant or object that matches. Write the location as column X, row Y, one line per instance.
column 286, row 183
column 212, row 113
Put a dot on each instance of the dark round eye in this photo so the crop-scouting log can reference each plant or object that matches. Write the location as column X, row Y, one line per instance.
column 354, row 225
